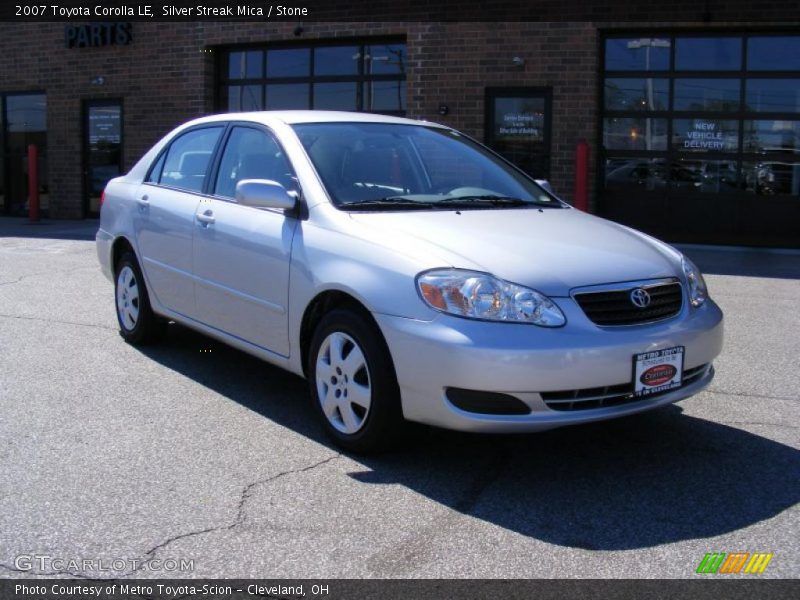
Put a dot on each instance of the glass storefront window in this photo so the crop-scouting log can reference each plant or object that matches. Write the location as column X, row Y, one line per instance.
column 368, row 76
column 707, row 176
column 771, row 178
column 634, row 134
column 335, row 96
column 705, row 135
column 246, row 65
column 765, row 137
column 386, row 95
column 625, row 93
column 708, row 54
column 245, row 97
column 337, row 60
column 294, row 62
column 386, row 59
column 25, row 124
column 773, row 53
column 632, row 174
column 701, row 94
column 288, row 96
column 637, row 54
column 772, row 95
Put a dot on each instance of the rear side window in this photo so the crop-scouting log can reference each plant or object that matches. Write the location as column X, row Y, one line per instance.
column 187, row 160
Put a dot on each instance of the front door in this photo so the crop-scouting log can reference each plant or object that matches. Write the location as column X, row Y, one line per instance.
column 518, row 127
column 241, row 254
column 102, row 149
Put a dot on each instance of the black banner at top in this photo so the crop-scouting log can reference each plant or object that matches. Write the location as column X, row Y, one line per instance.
column 599, row 11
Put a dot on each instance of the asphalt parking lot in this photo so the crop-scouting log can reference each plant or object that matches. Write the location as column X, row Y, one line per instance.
column 191, row 450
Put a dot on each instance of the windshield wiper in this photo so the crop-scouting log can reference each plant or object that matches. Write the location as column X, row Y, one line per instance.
column 390, row 202
column 493, row 200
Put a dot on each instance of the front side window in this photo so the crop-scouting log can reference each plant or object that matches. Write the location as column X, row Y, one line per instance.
column 377, row 165
column 186, row 163
column 252, row 154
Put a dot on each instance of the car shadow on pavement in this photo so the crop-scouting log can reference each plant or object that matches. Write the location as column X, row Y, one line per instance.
column 635, row 482
column 749, row 262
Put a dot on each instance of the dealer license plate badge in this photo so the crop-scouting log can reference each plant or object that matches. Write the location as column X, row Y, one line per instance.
column 657, row 371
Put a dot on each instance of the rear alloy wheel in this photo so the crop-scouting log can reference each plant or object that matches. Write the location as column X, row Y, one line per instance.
column 137, row 322
column 352, row 383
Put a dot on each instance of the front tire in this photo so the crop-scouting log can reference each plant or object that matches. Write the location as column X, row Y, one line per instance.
column 353, row 384
column 137, row 323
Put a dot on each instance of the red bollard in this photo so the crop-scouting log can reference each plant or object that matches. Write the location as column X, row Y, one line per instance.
column 581, row 201
column 33, row 183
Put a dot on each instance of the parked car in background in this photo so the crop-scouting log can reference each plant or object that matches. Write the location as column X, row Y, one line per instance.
column 408, row 272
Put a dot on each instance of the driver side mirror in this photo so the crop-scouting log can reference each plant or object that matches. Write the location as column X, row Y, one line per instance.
column 263, row 193
column 546, row 185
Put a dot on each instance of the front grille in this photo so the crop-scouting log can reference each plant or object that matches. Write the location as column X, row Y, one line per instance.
column 612, row 395
column 486, row 403
column 616, row 308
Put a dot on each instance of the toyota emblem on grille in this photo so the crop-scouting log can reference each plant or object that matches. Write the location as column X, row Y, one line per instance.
column 640, row 298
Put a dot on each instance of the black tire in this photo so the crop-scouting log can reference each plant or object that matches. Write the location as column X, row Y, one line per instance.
column 147, row 327
column 381, row 424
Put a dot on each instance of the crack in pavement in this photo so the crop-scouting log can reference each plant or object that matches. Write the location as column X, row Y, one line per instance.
column 29, row 275
column 59, row 322
column 246, row 494
column 411, row 552
column 760, row 423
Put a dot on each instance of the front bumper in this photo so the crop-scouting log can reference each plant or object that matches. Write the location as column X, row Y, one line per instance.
column 524, row 360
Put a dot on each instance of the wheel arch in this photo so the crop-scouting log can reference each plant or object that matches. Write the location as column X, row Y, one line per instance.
column 118, row 248
column 323, row 303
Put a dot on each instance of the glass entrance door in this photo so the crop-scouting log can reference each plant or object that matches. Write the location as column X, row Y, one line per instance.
column 518, row 127
column 23, row 121
column 103, row 149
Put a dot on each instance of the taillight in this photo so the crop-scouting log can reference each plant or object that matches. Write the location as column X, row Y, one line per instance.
column 102, row 198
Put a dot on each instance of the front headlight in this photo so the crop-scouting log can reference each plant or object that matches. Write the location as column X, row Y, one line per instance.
column 480, row 296
column 698, row 292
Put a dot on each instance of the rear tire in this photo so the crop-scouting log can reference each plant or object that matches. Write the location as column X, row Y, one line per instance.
column 138, row 324
column 353, row 384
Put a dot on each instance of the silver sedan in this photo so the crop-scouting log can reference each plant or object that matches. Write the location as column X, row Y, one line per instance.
column 407, row 271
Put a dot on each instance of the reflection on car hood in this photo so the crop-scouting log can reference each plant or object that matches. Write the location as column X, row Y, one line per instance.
column 552, row 250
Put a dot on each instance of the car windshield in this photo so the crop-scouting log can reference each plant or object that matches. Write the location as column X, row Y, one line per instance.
column 386, row 166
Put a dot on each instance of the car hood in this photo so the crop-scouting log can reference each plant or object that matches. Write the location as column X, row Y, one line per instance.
column 551, row 250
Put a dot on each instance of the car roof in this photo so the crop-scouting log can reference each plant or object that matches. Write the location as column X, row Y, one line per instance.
column 292, row 117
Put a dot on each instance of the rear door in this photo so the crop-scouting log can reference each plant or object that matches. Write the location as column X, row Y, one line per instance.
column 164, row 221
column 241, row 254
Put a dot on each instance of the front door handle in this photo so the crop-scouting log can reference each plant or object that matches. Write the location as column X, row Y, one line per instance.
column 144, row 201
column 206, row 218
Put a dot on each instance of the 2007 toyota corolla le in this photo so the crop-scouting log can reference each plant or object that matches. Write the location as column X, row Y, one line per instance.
column 406, row 271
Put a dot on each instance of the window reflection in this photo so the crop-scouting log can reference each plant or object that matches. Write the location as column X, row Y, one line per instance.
column 708, row 176
column 636, row 173
column 637, row 54
column 707, row 94
column 773, row 95
column 294, row 62
column 771, row 136
column 770, row 178
column 636, row 93
column 773, row 53
column 708, row 54
column 635, row 134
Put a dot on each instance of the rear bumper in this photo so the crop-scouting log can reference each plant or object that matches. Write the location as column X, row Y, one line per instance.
column 524, row 360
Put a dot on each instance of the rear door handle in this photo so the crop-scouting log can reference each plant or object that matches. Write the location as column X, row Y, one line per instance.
column 144, row 201
column 206, row 218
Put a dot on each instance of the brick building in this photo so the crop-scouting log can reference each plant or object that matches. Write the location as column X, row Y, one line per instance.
column 693, row 129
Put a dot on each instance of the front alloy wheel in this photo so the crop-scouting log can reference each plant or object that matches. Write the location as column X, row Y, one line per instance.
column 352, row 382
column 343, row 384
